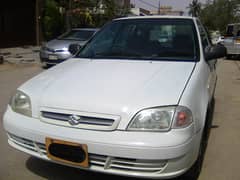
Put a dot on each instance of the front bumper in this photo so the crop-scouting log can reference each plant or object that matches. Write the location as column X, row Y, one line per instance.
column 113, row 152
column 60, row 57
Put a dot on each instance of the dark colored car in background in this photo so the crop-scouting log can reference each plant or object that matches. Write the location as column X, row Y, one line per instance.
column 56, row 50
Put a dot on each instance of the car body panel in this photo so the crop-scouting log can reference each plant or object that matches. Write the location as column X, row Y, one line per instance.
column 178, row 151
column 59, row 44
column 125, row 87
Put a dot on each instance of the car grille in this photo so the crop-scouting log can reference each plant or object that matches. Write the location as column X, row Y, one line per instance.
column 100, row 161
column 126, row 164
column 28, row 144
column 85, row 122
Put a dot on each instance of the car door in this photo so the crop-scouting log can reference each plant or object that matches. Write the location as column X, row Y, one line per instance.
column 212, row 79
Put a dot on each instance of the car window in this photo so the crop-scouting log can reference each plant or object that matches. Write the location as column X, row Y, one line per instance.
column 154, row 39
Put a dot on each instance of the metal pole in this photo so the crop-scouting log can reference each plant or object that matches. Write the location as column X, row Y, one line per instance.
column 37, row 22
column 159, row 7
column 69, row 15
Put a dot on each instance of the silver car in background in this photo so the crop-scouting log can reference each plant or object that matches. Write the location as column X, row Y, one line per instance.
column 56, row 50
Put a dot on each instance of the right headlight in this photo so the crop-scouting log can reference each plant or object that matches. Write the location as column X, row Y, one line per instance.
column 20, row 103
column 161, row 119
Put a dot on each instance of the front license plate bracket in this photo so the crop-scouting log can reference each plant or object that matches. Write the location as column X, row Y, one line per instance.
column 67, row 152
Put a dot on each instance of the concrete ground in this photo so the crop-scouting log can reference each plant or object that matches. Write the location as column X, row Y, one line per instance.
column 222, row 156
column 221, row 160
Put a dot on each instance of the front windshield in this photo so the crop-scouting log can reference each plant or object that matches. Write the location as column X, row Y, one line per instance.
column 144, row 39
column 80, row 35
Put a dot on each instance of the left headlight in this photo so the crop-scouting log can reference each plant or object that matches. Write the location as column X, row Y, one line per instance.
column 155, row 119
column 20, row 103
column 161, row 119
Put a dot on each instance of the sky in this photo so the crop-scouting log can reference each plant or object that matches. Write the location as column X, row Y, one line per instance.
column 176, row 4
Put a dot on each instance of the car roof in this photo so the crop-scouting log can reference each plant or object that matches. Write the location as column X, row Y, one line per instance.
column 86, row 29
column 157, row 17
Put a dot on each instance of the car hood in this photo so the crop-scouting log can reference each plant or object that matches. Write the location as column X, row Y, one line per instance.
column 113, row 87
column 57, row 44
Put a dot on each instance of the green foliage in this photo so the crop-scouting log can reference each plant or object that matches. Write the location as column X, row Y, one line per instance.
column 78, row 13
column 110, row 8
column 100, row 19
column 52, row 21
column 83, row 13
column 217, row 14
column 194, row 8
column 95, row 13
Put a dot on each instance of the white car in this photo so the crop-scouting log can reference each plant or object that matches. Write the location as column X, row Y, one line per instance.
column 127, row 104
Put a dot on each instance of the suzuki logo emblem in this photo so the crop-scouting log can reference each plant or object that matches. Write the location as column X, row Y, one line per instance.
column 74, row 120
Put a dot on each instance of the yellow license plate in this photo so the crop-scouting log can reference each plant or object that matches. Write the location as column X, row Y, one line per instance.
column 67, row 152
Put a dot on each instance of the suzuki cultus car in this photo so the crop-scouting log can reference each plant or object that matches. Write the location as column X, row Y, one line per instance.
column 132, row 102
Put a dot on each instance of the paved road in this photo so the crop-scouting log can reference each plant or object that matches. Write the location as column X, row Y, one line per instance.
column 222, row 155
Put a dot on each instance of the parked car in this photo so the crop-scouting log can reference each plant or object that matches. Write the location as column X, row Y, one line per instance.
column 232, row 39
column 56, row 50
column 127, row 104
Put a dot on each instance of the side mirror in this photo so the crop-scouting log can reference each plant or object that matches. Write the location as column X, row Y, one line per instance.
column 215, row 52
column 74, row 48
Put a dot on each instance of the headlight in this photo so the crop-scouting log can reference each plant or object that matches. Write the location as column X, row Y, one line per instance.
column 156, row 119
column 20, row 103
column 161, row 119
